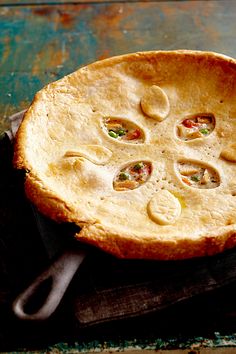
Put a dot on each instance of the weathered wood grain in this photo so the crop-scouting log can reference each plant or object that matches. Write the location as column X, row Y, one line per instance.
column 59, row 2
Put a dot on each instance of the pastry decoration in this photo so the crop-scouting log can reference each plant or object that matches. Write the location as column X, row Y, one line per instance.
column 229, row 153
column 155, row 103
column 164, row 208
column 95, row 153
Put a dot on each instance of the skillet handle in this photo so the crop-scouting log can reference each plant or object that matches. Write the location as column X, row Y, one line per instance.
column 60, row 274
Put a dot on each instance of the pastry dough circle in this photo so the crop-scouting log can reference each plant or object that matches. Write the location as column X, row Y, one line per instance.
column 229, row 153
column 155, row 103
column 164, row 208
column 70, row 184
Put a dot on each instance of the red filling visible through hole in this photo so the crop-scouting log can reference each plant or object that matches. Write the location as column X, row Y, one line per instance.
column 132, row 176
column 120, row 129
column 198, row 126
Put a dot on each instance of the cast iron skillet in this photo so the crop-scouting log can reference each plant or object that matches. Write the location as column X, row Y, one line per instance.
column 58, row 275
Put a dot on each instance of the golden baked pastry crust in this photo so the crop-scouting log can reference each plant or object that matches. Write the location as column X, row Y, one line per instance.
column 79, row 170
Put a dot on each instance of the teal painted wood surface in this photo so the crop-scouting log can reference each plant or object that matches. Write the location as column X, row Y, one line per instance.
column 60, row 2
column 40, row 44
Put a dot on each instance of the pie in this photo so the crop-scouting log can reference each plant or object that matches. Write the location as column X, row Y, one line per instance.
column 139, row 151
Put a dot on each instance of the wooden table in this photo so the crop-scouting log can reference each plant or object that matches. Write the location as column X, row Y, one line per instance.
column 41, row 41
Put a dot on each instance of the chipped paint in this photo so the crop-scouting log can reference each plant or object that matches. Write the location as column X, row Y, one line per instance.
column 187, row 345
column 53, row 57
column 43, row 11
column 7, row 49
column 62, row 16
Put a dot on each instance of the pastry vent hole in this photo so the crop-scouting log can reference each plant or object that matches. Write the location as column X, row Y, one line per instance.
column 123, row 130
column 132, row 176
column 199, row 125
column 198, row 175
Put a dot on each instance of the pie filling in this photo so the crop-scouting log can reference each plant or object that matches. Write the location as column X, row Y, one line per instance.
column 123, row 130
column 198, row 176
column 197, row 126
column 132, row 176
